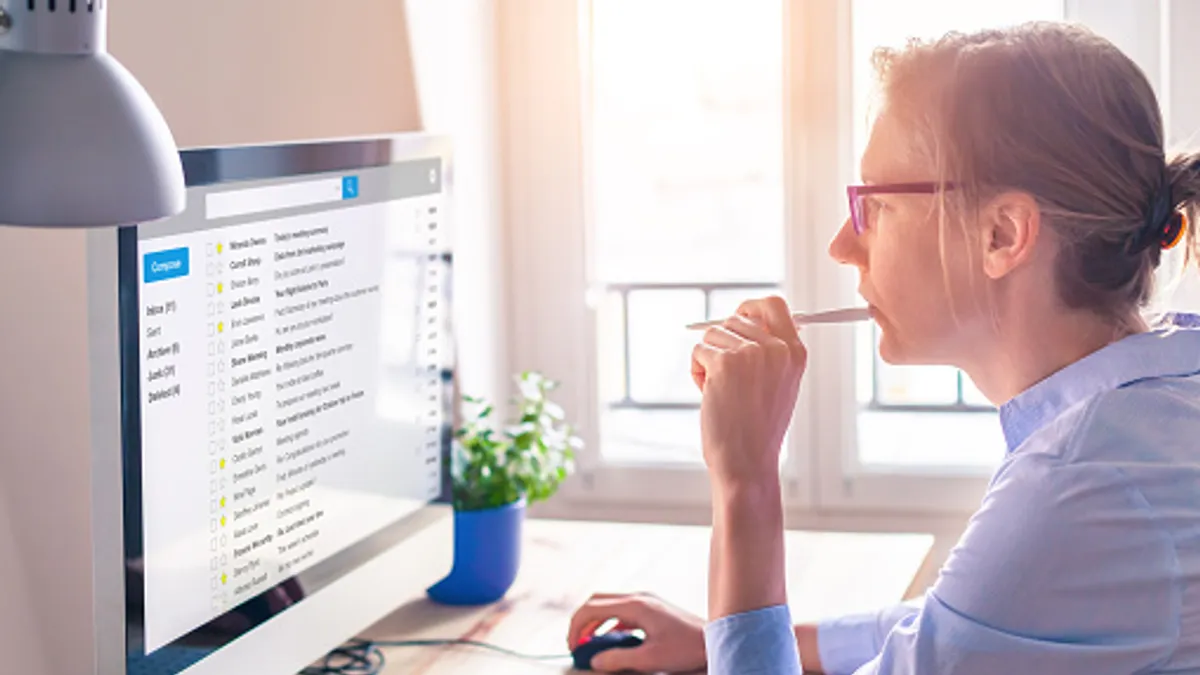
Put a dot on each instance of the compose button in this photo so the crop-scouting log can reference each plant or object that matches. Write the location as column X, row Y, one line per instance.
column 163, row 265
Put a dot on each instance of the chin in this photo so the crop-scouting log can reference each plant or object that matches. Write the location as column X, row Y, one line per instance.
column 897, row 353
column 890, row 352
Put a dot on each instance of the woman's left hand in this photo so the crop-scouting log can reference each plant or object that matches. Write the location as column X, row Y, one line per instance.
column 749, row 371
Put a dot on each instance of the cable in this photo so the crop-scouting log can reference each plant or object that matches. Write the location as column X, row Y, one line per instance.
column 363, row 657
column 357, row 657
column 472, row 643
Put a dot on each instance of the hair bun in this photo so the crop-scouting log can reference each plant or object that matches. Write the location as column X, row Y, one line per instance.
column 1162, row 225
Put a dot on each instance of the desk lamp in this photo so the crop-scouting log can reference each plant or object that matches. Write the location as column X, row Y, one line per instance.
column 81, row 142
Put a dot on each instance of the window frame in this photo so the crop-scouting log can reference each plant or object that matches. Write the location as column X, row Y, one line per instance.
column 542, row 66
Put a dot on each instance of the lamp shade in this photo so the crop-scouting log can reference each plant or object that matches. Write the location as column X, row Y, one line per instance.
column 81, row 142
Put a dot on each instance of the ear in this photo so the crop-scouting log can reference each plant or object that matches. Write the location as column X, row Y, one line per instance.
column 1011, row 225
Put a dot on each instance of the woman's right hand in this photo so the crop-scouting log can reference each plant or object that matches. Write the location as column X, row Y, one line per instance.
column 674, row 638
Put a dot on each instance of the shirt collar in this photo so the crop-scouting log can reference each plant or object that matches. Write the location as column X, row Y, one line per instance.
column 1173, row 349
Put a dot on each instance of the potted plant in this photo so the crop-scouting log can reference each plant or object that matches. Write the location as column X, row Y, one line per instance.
column 495, row 475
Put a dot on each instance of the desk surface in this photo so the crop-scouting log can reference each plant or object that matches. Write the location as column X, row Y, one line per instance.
column 564, row 562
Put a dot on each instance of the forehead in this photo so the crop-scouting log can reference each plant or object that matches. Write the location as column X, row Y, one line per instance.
column 894, row 153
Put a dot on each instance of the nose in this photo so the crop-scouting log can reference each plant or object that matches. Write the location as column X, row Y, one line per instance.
column 847, row 247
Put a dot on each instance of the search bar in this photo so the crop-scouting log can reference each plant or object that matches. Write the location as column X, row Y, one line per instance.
column 276, row 197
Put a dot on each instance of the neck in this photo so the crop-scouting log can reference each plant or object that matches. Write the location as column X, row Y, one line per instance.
column 1028, row 347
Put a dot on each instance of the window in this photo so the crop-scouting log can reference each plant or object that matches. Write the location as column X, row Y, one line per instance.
column 668, row 158
column 685, row 130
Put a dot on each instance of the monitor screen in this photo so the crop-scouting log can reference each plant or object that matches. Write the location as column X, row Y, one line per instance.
column 285, row 382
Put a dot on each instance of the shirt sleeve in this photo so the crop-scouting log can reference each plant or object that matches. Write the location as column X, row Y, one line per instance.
column 1063, row 570
column 846, row 643
column 760, row 642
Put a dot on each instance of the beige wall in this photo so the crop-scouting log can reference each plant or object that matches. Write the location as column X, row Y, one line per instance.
column 228, row 72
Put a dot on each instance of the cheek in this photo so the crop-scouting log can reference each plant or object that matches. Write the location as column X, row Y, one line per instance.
column 906, row 265
column 910, row 282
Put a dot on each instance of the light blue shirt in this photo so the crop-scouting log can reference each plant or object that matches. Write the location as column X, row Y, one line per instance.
column 1084, row 557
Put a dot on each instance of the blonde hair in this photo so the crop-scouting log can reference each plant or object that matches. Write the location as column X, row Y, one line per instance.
column 1059, row 113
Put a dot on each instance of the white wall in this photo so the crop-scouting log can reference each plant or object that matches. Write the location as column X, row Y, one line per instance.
column 454, row 52
column 231, row 71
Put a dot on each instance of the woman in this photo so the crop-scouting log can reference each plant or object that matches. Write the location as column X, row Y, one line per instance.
column 1018, row 202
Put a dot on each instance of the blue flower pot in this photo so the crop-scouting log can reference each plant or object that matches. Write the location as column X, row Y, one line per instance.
column 487, row 554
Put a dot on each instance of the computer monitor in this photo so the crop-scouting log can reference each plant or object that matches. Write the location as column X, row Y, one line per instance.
column 286, row 374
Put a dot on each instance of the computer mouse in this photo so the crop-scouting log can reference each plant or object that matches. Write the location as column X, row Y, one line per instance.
column 617, row 639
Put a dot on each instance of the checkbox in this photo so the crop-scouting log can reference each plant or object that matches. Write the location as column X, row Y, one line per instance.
column 214, row 543
column 212, row 407
column 209, row 249
column 213, row 565
column 212, row 369
column 212, row 309
column 212, row 467
column 214, row 583
column 212, row 349
column 211, row 290
column 213, row 509
column 212, row 388
column 212, row 427
column 212, row 329
column 213, row 486
column 212, row 447
column 213, row 525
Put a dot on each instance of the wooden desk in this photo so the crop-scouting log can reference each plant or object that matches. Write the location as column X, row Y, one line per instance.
column 564, row 562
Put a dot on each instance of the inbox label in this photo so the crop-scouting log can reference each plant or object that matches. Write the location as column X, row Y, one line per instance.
column 163, row 265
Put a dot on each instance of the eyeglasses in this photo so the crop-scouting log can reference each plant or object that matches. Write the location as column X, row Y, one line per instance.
column 862, row 215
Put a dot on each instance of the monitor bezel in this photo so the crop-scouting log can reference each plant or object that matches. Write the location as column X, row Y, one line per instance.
column 234, row 164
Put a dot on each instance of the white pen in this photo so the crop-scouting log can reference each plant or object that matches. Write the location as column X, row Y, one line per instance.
column 845, row 315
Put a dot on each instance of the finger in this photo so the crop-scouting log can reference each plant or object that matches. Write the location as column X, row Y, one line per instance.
column 704, row 361
column 589, row 617
column 772, row 312
column 609, row 596
column 749, row 330
column 724, row 337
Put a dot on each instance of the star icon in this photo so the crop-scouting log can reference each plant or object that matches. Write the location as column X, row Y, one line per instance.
column 222, row 521
column 222, row 502
column 222, row 466
column 224, row 578
column 219, row 247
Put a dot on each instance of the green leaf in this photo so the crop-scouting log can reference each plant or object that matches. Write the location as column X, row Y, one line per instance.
column 529, row 457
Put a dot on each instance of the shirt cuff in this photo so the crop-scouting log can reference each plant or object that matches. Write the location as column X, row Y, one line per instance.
column 759, row 642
